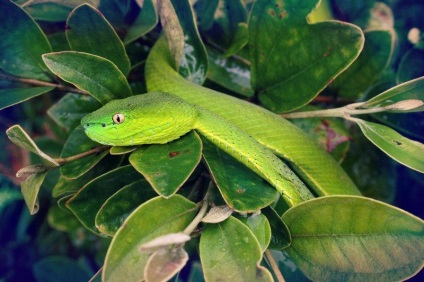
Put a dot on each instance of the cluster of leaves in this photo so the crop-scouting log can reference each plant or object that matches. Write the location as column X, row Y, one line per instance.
column 113, row 191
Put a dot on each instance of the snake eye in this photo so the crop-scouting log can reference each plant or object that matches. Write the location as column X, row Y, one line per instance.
column 118, row 118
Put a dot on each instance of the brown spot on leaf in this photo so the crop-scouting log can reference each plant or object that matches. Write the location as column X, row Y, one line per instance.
column 282, row 14
column 272, row 13
column 240, row 191
column 173, row 154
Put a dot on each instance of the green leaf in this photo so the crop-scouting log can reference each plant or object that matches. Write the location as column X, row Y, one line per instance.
column 121, row 150
column 229, row 73
column 65, row 185
column 286, row 52
column 124, row 261
column 241, row 188
column 184, row 40
column 82, row 70
column 168, row 166
column 56, row 268
column 232, row 248
column 146, row 20
column 30, row 188
column 373, row 60
column 78, row 143
column 22, row 43
column 13, row 96
column 411, row 66
column 71, row 108
column 411, row 90
column 88, row 31
column 88, row 201
column 121, row 204
column 280, row 234
column 368, row 240
column 20, row 138
column 405, row 151
column 259, row 225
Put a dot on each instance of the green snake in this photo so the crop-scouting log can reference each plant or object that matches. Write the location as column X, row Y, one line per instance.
column 251, row 134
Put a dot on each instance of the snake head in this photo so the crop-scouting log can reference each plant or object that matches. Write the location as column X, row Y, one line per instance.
column 152, row 118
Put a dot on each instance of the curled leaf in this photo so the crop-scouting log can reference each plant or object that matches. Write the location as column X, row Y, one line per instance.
column 164, row 241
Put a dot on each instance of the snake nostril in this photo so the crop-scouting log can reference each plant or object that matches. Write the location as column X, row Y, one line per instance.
column 104, row 124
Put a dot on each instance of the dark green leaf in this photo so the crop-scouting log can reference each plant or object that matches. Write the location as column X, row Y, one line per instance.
column 373, row 60
column 292, row 61
column 230, row 73
column 82, row 70
column 62, row 220
column 55, row 268
column 231, row 247
column 124, row 261
column 411, row 66
column 54, row 10
column 22, row 43
column 146, row 20
column 184, row 40
column 227, row 18
column 405, row 151
column 368, row 240
column 259, row 225
column 65, row 185
column 13, row 96
column 168, row 166
column 239, row 41
column 242, row 189
column 205, row 11
column 88, row 201
column 71, row 108
column 361, row 162
column 121, row 204
column 78, row 143
column 411, row 90
column 20, row 138
column 280, row 234
column 59, row 42
column 88, row 31
column 30, row 188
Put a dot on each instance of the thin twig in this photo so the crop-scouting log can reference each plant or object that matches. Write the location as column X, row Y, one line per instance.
column 274, row 266
column 43, row 83
column 190, row 228
column 93, row 151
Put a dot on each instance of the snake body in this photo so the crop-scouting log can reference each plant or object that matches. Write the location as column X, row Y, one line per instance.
column 249, row 133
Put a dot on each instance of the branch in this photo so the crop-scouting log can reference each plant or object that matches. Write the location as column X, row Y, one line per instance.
column 189, row 229
column 43, row 83
column 93, row 151
column 274, row 266
column 352, row 109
